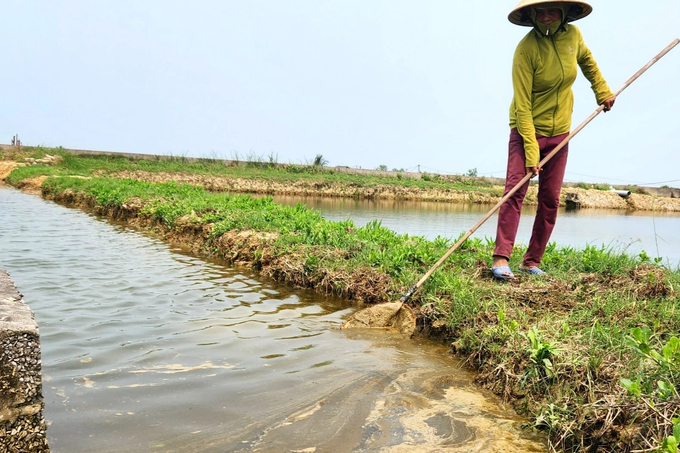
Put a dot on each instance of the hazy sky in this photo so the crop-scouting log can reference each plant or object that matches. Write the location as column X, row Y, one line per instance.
column 362, row 82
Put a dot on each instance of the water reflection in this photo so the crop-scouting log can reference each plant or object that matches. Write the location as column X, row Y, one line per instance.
column 623, row 231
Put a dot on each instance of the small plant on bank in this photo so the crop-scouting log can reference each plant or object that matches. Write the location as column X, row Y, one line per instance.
column 671, row 443
column 430, row 177
column 540, row 354
column 663, row 375
column 295, row 169
column 645, row 258
column 236, row 157
column 656, row 385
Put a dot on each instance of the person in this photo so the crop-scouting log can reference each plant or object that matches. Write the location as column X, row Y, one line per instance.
column 544, row 69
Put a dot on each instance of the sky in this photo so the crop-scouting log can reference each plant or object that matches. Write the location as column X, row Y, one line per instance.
column 419, row 84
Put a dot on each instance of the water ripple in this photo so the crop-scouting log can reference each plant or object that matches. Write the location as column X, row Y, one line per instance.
column 146, row 348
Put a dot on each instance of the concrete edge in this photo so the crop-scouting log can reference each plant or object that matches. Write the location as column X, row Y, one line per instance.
column 22, row 425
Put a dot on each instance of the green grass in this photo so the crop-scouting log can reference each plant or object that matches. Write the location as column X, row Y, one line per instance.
column 84, row 165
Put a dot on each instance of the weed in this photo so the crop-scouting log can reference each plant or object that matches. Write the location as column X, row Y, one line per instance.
column 540, row 354
column 319, row 161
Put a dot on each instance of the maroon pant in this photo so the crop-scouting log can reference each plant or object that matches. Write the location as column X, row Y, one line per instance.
column 549, row 186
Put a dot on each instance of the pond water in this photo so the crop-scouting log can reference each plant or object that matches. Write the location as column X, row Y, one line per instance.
column 146, row 348
column 622, row 231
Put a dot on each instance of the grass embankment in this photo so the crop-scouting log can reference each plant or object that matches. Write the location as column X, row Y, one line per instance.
column 272, row 178
column 588, row 354
column 268, row 177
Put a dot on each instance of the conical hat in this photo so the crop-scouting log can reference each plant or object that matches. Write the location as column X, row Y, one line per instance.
column 581, row 10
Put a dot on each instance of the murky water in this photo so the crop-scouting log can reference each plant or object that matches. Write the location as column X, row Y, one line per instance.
column 146, row 348
column 623, row 231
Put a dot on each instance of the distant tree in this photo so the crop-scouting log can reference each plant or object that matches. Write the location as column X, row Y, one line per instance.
column 319, row 161
column 382, row 168
column 398, row 169
column 472, row 172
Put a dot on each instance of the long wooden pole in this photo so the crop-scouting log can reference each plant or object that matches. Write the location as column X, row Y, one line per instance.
column 526, row 178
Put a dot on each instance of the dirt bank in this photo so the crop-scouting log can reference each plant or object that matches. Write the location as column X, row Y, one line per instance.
column 602, row 199
column 6, row 167
column 313, row 188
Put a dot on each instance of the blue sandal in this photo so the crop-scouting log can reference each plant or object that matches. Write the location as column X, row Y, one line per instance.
column 532, row 271
column 500, row 270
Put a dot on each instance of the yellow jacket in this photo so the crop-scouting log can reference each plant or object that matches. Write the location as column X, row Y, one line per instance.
column 543, row 72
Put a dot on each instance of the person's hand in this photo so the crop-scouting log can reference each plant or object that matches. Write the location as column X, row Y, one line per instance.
column 533, row 170
column 609, row 103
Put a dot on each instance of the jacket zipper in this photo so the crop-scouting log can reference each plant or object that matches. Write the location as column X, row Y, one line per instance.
column 552, row 39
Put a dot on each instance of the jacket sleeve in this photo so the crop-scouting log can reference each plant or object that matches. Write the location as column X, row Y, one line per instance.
column 522, row 83
column 590, row 69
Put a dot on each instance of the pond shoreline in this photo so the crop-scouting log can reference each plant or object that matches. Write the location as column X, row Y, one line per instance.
column 477, row 190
